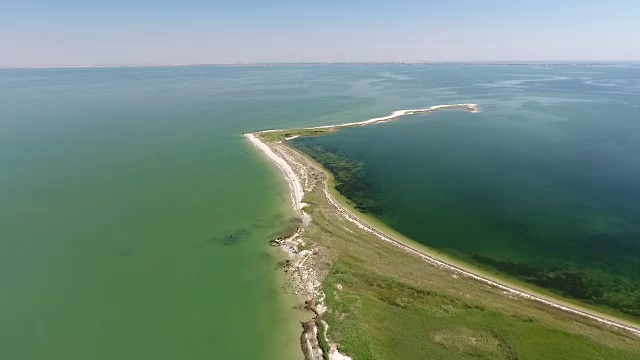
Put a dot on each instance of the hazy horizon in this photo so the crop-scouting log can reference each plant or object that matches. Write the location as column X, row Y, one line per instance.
column 75, row 33
column 594, row 62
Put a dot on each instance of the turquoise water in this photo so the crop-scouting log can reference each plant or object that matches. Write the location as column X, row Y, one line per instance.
column 542, row 185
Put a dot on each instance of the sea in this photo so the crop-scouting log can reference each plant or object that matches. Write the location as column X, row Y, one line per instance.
column 542, row 186
column 135, row 219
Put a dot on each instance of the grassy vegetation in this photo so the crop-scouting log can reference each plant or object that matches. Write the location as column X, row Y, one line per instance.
column 280, row 135
column 592, row 283
column 322, row 339
column 385, row 318
column 387, row 304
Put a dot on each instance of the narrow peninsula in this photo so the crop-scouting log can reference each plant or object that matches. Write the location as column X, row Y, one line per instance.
column 371, row 291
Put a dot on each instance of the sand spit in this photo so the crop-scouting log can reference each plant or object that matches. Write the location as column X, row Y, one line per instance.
column 398, row 113
column 305, row 281
column 299, row 173
column 287, row 171
column 474, row 108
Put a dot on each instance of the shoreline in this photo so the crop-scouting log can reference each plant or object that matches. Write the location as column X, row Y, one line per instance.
column 473, row 108
column 398, row 113
column 304, row 280
column 434, row 259
column 294, row 183
column 508, row 288
column 297, row 192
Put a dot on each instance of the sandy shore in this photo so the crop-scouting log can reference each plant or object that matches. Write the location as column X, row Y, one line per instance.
column 398, row 113
column 307, row 282
column 474, row 108
column 287, row 171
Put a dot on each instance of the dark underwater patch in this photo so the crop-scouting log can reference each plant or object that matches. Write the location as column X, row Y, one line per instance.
column 128, row 251
column 226, row 240
column 588, row 285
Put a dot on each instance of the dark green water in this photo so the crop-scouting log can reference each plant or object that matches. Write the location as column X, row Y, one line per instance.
column 542, row 185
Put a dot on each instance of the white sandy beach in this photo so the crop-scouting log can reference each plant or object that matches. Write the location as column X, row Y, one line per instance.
column 287, row 171
column 398, row 113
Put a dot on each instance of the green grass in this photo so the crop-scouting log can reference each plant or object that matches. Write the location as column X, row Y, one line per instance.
column 588, row 287
column 387, row 304
column 280, row 135
column 379, row 317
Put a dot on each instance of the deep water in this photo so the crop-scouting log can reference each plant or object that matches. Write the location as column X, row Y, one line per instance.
column 543, row 185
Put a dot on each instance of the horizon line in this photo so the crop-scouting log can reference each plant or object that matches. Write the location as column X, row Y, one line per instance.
column 301, row 63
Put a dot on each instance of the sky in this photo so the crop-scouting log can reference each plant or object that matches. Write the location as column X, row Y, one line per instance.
column 117, row 32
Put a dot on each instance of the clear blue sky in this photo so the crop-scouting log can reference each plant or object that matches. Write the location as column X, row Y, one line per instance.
column 87, row 32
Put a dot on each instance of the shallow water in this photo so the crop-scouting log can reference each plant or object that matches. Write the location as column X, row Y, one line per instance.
column 542, row 185
column 134, row 218
column 131, row 224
